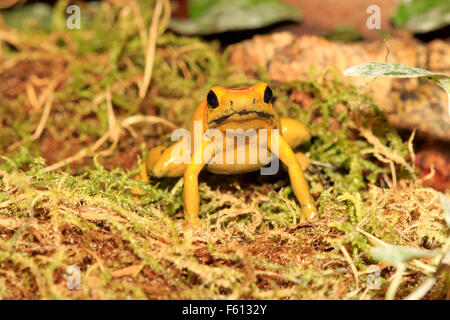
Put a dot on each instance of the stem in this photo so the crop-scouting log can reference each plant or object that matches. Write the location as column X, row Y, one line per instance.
column 395, row 283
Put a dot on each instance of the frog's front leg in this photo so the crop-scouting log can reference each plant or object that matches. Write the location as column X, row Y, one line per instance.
column 298, row 181
column 191, row 197
column 296, row 133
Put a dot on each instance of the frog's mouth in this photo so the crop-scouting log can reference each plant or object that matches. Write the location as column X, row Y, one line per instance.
column 242, row 115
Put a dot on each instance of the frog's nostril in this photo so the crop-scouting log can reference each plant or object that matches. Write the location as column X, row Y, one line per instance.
column 254, row 100
column 231, row 102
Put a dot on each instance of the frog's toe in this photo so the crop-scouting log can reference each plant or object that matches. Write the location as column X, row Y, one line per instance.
column 194, row 223
column 309, row 212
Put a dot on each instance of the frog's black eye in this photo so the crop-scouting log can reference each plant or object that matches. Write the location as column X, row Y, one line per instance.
column 268, row 95
column 212, row 99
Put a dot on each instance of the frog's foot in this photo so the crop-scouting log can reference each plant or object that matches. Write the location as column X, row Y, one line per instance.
column 309, row 212
column 196, row 223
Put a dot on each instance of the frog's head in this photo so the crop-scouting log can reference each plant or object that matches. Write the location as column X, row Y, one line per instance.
column 244, row 108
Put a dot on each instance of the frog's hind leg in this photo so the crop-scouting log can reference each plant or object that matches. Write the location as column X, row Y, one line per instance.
column 162, row 162
column 168, row 162
column 294, row 132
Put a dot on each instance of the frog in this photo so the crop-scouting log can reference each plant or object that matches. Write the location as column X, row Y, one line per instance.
column 249, row 110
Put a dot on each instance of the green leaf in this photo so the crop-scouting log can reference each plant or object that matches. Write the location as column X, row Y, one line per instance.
column 422, row 16
column 397, row 255
column 376, row 69
column 198, row 7
column 210, row 17
column 446, row 205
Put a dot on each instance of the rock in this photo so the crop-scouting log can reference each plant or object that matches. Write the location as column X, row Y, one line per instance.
column 408, row 103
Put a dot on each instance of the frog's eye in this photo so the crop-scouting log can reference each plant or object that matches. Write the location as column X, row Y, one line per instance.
column 212, row 99
column 268, row 95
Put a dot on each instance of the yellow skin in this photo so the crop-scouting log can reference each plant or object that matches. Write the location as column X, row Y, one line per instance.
column 245, row 108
